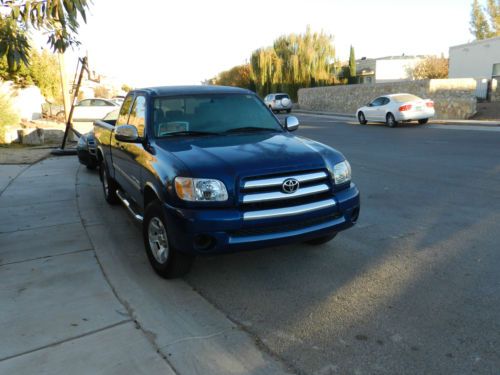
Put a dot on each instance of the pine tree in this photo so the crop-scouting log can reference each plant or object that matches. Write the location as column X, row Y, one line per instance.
column 352, row 66
column 479, row 26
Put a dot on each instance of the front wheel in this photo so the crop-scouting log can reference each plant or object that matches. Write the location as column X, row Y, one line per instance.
column 165, row 260
column 362, row 118
column 321, row 240
column 423, row 121
column 390, row 120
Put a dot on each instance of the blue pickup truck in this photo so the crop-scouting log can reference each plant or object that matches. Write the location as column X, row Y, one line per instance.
column 210, row 169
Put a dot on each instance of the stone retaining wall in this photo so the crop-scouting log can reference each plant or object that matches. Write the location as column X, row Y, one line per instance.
column 453, row 98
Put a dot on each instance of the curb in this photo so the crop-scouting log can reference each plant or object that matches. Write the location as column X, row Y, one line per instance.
column 437, row 121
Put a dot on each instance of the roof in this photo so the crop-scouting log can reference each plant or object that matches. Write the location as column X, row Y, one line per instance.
column 193, row 90
column 476, row 42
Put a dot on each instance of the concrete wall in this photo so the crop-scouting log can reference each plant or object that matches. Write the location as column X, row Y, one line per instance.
column 453, row 98
column 474, row 60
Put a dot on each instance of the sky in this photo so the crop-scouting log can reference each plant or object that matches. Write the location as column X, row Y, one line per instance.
column 163, row 42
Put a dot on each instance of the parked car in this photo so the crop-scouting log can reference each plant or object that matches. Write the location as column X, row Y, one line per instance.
column 89, row 110
column 86, row 147
column 396, row 108
column 209, row 169
column 279, row 102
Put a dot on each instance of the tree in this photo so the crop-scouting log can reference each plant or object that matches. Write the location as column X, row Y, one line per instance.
column 127, row 88
column 352, row 66
column 494, row 15
column 102, row 92
column 294, row 61
column 59, row 18
column 238, row 76
column 42, row 71
column 432, row 67
column 479, row 26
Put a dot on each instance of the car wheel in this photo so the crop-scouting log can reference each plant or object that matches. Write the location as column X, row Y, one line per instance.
column 321, row 240
column 166, row 261
column 390, row 121
column 362, row 118
column 423, row 121
column 109, row 185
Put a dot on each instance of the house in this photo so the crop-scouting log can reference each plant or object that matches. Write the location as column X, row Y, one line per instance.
column 479, row 59
column 386, row 69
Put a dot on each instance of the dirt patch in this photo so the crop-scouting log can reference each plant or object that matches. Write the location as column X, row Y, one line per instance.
column 487, row 111
column 18, row 154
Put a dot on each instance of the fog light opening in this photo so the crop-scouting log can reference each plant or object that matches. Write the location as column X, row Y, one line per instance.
column 355, row 215
column 203, row 242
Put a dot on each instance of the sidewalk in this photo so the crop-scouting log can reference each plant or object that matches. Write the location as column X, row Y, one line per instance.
column 58, row 314
column 79, row 297
column 433, row 121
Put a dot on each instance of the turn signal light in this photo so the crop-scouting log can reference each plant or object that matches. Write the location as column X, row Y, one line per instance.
column 405, row 107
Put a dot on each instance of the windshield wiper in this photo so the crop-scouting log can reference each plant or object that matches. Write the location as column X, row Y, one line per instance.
column 249, row 129
column 189, row 132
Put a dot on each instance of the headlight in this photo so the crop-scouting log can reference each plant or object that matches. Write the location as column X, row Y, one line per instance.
column 342, row 172
column 200, row 189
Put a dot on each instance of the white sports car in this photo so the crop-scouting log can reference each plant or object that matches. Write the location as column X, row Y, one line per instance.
column 396, row 108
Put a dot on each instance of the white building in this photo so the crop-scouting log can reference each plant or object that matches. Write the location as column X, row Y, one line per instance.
column 386, row 69
column 479, row 59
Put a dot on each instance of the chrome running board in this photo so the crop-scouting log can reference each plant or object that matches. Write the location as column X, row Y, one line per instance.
column 126, row 203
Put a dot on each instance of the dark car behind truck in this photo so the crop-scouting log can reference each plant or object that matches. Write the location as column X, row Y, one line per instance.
column 210, row 169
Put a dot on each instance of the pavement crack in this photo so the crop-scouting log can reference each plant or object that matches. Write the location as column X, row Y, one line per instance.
column 45, row 257
column 198, row 337
column 66, row 340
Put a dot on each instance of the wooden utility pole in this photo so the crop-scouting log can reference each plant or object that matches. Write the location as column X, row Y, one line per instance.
column 64, row 86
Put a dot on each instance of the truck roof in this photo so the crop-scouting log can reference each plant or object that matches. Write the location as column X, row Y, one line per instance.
column 193, row 90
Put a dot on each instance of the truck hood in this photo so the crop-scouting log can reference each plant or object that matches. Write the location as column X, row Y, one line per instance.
column 244, row 155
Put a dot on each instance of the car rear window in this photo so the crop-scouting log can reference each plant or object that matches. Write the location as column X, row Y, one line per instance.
column 282, row 96
column 405, row 98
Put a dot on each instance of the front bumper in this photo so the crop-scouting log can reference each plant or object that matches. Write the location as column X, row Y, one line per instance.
column 212, row 231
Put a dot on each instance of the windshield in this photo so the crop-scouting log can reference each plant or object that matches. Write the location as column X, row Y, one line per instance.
column 206, row 114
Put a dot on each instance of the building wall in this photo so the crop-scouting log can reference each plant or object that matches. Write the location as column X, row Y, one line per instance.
column 453, row 98
column 394, row 69
column 474, row 60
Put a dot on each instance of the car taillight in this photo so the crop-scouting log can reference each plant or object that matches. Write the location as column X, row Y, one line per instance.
column 430, row 104
column 405, row 107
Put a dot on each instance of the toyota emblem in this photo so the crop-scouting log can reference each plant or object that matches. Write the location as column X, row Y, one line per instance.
column 290, row 185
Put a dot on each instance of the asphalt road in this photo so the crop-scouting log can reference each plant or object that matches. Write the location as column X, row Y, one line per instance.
column 414, row 288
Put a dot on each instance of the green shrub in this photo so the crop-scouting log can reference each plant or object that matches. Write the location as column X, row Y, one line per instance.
column 7, row 116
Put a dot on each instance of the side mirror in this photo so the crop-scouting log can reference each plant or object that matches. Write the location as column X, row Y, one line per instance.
column 127, row 133
column 370, row 105
column 291, row 123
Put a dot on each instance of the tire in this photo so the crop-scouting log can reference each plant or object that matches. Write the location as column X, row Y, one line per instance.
column 109, row 185
column 423, row 121
column 362, row 118
column 166, row 261
column 390, row 120
column 321, row 240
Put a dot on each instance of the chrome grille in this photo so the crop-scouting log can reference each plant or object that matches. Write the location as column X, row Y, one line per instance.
column 264, row 197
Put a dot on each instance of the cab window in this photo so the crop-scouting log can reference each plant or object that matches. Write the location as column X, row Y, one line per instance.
column 138, row 115
column 124, row 111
